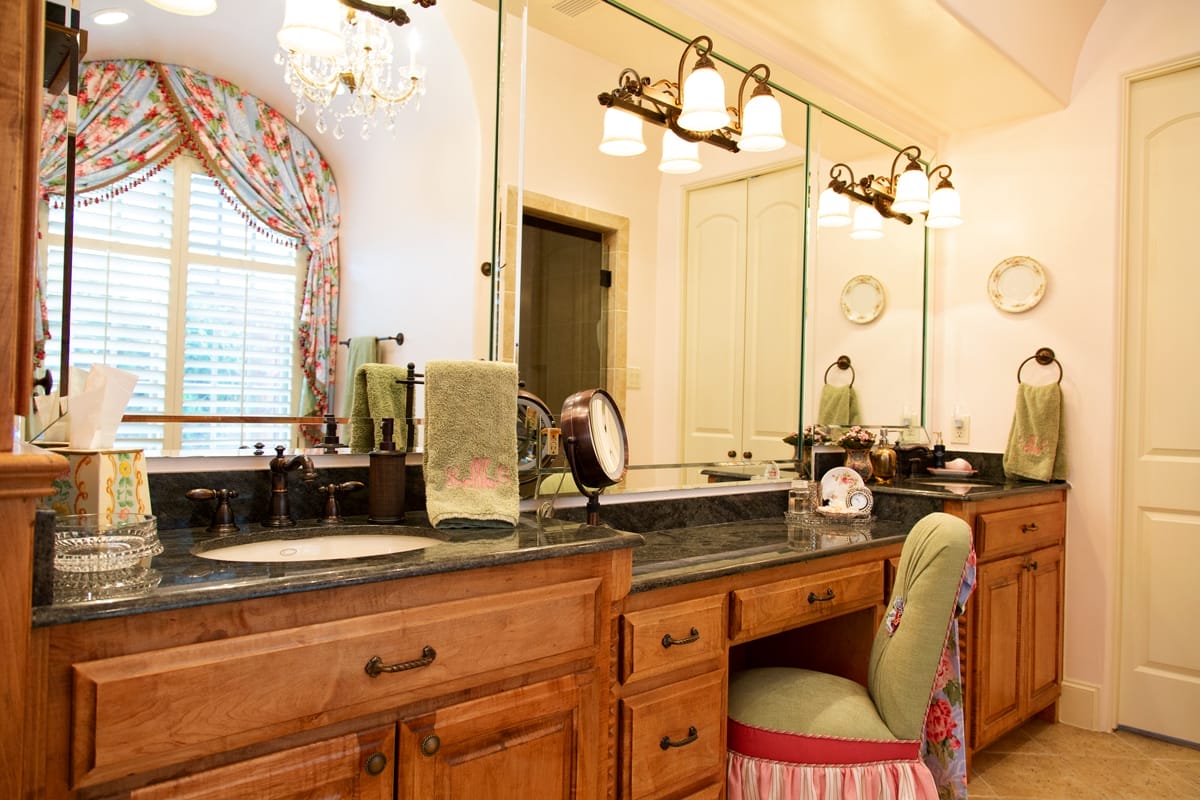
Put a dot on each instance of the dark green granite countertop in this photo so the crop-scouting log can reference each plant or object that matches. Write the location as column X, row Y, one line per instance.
column 176, row 578
column 687, row 555
column 698, row 549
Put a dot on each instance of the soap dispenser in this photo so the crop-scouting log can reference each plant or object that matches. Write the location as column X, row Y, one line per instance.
column 883, row 459
column 939, row 452
column 385, row 478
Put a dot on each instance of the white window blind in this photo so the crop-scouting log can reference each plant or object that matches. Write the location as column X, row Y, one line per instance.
column 171, row 282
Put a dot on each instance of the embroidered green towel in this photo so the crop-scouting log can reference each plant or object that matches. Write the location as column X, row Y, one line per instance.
column 471, row 444
column 838, row 406
column 362, row 350
column 1037, row 441
column 377, row 396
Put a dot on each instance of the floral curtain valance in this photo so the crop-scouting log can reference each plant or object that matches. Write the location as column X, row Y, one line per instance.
column 134, row 116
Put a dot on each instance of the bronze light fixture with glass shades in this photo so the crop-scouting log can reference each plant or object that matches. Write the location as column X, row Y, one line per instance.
column 691, row 111
column 899, row 195
column 333, row 47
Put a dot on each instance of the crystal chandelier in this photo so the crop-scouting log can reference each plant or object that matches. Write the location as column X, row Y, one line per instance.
column 359, row 65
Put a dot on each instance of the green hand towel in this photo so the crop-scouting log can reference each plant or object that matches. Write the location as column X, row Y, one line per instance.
column 1037, row 441
column 377, row 396
column 362, row 350
column 838, row 406
column 471, row 444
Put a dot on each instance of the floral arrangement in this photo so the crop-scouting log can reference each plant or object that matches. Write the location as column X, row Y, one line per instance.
column 813, row 435
column 856, row 438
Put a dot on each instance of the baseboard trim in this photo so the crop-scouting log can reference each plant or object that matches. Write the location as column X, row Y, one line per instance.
column 1079, row 705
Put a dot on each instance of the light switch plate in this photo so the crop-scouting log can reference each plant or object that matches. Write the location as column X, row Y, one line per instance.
column 960, row 431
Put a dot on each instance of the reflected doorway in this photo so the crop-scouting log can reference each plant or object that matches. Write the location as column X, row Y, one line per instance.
column 563, row 342
column 613, row 230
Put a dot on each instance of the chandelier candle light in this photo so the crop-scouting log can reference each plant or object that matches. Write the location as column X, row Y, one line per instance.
column 692, row 111
column 897, row 196
column 333, row 47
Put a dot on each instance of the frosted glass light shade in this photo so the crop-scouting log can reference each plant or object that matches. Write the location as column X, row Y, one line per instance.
column 703, row 101
column 833, row 210
column 867, row 223
column 912, row 192
column 312, row 27
column 762, row 125
column 188, row 8
column 679, row 157
column 944, row 208
column 622, row 134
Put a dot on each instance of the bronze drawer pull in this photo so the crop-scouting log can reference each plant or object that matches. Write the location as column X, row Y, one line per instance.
column 1030, row 528
column 669, row 640
column 431, row 744
column 813, row 598
column 1031, row 565
column 376, row 763
column 666, row 742
column 376, row 666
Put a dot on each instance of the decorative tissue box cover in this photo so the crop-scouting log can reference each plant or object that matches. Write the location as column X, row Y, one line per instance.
column 106, row 482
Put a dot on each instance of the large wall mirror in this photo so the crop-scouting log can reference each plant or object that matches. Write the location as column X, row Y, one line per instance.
column 651, row 307
column 866, row 298
column 707, row 333
column 416, row 205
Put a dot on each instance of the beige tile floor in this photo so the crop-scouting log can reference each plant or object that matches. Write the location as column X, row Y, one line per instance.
column 1046, row 761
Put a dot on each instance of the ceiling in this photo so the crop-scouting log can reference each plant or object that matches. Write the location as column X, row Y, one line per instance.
column 928, row 67
column 918, row 69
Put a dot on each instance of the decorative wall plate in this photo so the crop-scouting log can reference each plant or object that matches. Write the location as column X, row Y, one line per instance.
column 1017, row 284
column 863, row 299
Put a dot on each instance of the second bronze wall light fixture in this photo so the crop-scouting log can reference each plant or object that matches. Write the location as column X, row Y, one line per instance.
column 691, row 111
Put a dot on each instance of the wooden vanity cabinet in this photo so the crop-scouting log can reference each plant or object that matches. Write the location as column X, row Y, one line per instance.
column 499, row 690
column 1014, row 623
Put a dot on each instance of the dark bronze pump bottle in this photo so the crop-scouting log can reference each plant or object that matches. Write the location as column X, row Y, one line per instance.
column 385, row 478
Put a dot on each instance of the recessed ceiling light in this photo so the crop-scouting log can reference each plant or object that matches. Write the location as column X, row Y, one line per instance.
column 190, row 8
column 110, row 16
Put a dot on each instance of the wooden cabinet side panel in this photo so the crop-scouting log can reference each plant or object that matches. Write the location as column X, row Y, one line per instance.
column 331, row 768
column 997, row 657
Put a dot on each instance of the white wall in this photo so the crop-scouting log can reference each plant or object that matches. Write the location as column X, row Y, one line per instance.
column 1050, row 188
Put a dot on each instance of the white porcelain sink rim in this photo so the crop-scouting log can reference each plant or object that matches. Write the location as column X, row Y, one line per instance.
column 316, row 547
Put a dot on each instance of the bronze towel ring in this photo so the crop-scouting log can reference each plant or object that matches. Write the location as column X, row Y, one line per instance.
column 843, row 362
column 1045, row 357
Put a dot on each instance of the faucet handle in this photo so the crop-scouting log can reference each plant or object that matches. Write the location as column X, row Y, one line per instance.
column 333, row 514
column 222, row 521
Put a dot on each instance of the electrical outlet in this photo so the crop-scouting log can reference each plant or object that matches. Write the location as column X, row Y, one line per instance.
column 960, row 431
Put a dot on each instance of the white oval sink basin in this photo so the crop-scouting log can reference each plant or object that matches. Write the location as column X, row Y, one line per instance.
column 328, row 547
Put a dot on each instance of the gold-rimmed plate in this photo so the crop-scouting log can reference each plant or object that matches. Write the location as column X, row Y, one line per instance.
column 1017, row 284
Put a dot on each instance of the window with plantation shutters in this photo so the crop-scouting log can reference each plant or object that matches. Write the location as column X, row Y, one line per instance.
column 170, row 282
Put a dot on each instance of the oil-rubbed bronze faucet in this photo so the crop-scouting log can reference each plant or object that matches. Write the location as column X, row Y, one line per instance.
column 280, row 513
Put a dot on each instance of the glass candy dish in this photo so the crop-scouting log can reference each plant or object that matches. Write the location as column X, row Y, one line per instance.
column 91, row 543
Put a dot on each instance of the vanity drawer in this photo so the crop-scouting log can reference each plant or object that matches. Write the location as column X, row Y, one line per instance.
column 673, row 737
column 762, row 610
column 662, row 639
column 137, row 712
column 1020, row 529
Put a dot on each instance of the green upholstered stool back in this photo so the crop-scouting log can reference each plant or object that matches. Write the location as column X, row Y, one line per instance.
column 909, row 643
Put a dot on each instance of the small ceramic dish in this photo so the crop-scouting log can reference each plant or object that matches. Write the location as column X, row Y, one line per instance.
column 941, row 472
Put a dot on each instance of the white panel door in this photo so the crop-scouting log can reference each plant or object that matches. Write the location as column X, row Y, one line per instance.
column 1160, row 524
column 714, row 322
column 774, row 295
